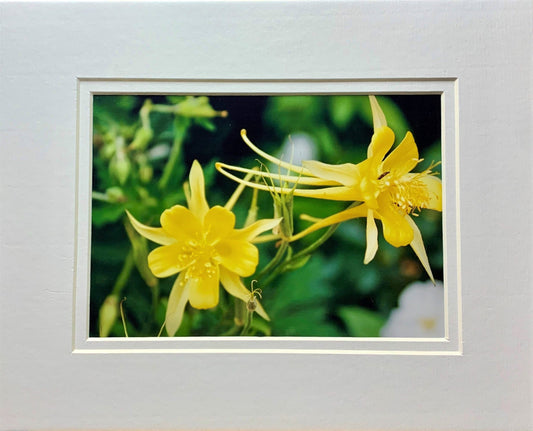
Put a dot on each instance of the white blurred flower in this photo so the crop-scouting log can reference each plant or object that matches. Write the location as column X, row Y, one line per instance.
column 297, row 148
column 420, row 312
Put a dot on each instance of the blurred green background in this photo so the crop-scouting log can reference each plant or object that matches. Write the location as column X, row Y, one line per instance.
column 334, row 293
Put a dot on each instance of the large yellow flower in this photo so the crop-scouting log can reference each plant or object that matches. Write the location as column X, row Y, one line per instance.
column 203, row 246
column 383, row 184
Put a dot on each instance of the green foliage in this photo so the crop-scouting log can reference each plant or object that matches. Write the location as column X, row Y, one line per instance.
column 361, row 322
column 143, row 150
column 298, row 302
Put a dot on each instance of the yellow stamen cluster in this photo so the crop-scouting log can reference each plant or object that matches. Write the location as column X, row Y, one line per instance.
column 203, row 257
column 409, row 196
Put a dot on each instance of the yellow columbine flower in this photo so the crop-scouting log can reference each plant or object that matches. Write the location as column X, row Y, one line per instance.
column 202, row 245
column 383, row 184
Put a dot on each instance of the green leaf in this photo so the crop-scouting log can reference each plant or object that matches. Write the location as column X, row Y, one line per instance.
column 106, row 214
column 305, row 322
column 361, row 322
column 206, row 123
column 297, row 301
column 297, row 263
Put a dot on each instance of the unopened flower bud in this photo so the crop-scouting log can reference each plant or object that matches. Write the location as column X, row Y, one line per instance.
column 198, row 107
column 108, row 150
column 141, row 139
column 115, row 194
column 108, row 315
column 145, row 173
column 283, row 207
column 120, row 168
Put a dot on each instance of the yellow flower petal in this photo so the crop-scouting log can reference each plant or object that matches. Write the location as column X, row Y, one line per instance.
column 371, row 237
column 168, row 260
column 396, row 230
column 344, row 174
column 340, row 193
column 180, row 223
column 251, row 232
column 155, row 234
column 403, row 158
column 347, row 214
column 434, row 190
column 240, row 257
column 176, row 305
column 417, row 244
column 218, row 224
column 381, row 143
column 198, row 204
column 377, row 114
column 204, row 291
column 234, row 286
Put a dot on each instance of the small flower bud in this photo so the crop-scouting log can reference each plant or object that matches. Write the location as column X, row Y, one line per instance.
column 120, row 168
column 283, row 207
column 108, row 315
column 141, row 139
column 115, row 194
column 145, row 169
column 146, row 173
column 107, row 151
column 198, row 107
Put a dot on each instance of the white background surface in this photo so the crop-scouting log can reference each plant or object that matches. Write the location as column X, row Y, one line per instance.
column 45, row 47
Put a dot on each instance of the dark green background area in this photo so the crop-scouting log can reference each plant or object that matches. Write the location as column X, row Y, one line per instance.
column 334, row 293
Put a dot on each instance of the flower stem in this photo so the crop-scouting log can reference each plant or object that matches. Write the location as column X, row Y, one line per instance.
column 275, row 261
column 248, row 323
column 123, row 318
column 100, row 197
column 124, row 275
column 314, row 246
column 140, row 259
column 280, row 269
column 180, row 125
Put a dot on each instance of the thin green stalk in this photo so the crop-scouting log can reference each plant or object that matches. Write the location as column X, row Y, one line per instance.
column 140, row 256
column 311, row 248
column 161, row 330
column 124, row 275
column 165, row 109
column 123, row 318
column 181, row 125
column 306, row 251
column 275, row 260
column 314, row 246
column 100, row 197
column 248, row 323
